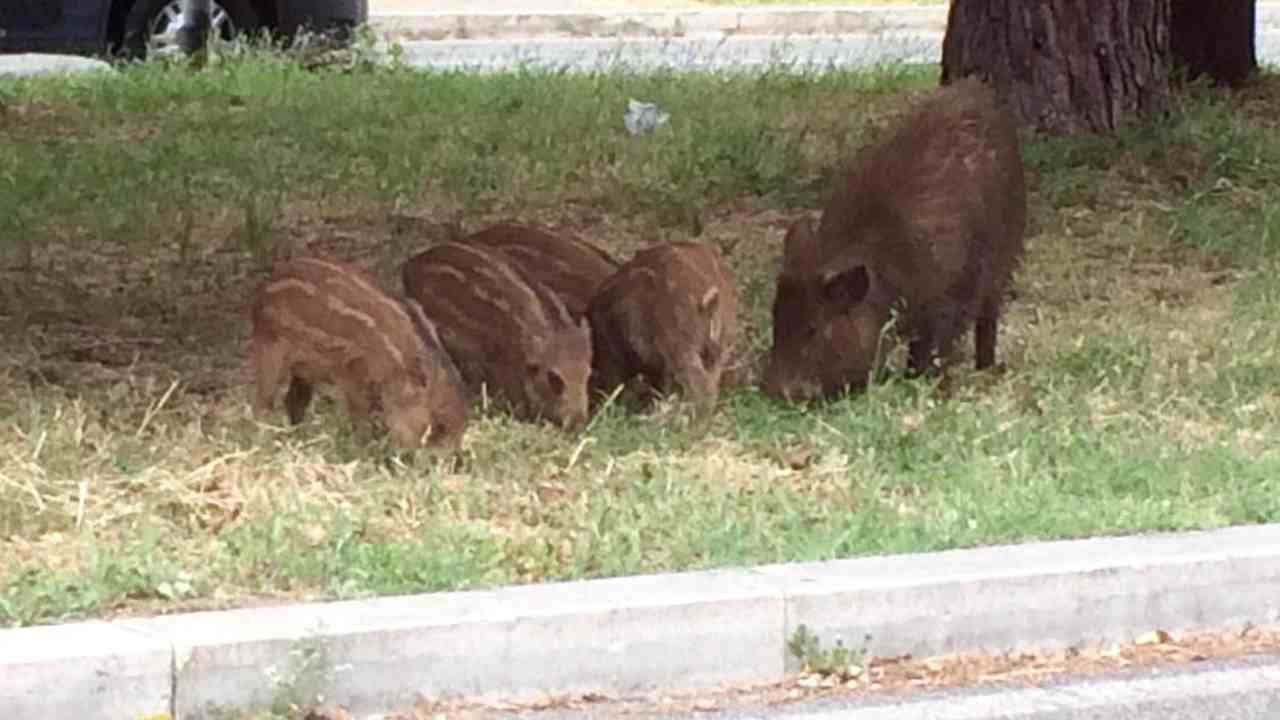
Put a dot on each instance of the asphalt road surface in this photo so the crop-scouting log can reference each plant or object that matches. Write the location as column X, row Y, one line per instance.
column 1245, row 688
column 700, row 53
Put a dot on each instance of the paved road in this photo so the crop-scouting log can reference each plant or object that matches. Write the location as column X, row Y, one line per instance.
column 1237, row 689
column 700, row 53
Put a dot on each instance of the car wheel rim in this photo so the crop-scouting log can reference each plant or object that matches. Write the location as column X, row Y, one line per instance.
column 164, row 30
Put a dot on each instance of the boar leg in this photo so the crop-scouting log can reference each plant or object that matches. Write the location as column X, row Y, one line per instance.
column 644, row 389
column 359, row 403
column 984, row 336
column 357, row 393
column 920, row 349
column 298, row 398
column 933, row 339
column 606, row 375
column 270, row 364
column 984, row 341
column 920, row 357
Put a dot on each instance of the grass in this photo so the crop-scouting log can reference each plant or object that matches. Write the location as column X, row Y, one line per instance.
column 138, row 211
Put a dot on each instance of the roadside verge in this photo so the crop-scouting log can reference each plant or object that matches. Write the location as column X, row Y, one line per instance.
column 624, row 635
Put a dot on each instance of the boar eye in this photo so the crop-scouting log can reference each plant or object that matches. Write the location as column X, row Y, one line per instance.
column 555, row 382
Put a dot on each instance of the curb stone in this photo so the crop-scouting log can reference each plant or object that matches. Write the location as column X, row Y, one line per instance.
column 84, row 670
column 515, row 641
column 630, row 634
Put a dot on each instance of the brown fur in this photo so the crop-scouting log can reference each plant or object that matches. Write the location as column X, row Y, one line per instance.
column 505, row 330
column 669, row 316
column 570, row 267
column 930, row 220
column 321, row 321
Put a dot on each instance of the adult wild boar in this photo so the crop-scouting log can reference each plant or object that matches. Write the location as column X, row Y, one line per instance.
column 322, row 321
column 569, row 266
column 668, row 317
column 505, row 330
column 929, row 222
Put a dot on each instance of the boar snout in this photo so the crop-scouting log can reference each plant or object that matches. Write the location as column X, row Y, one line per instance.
column 573, row 420
column 788, row 387
column 414, row 436
column 445, row 437
column 406, row 434
column 699, row 386
column 574, row 409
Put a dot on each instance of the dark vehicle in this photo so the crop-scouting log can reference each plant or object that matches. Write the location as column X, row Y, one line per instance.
column 100, row 27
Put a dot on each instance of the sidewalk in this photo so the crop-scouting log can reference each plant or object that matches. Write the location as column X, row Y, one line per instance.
column 534, row 7
column 418, row 20
column 531, row 7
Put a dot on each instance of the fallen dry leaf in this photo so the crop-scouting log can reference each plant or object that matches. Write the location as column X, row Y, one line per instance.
column 1155, row 637
column 326, row 713
column 314, row 535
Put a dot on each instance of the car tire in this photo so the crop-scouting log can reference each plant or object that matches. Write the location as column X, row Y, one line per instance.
column 144, row 14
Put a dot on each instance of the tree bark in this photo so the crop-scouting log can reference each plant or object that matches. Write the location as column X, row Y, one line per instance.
column 1215, row 39
column 1064, row 66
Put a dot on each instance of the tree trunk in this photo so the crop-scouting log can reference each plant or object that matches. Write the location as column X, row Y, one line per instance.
column 1215, row 39
column 1064, row 66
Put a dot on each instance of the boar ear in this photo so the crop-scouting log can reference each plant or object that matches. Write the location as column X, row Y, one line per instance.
column 799, row 244
column 710, row 299
column 846, row 288
column 708, row 304
column 557, row 382
column 554, row 380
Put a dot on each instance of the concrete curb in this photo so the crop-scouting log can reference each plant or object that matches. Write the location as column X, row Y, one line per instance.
column 629, row 634
column 779, row 20
column 90, row 670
